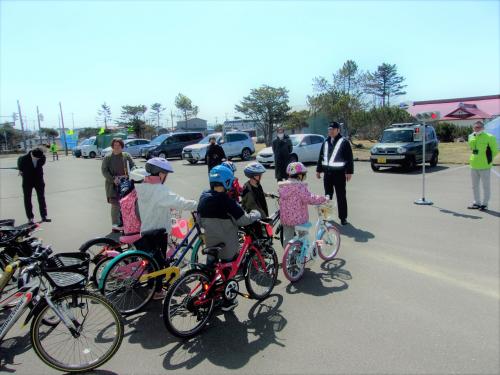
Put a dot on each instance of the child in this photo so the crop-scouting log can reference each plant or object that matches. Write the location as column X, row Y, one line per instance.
column 294, row 199
column 236, row 189
column 221, row 216
column 253, row 197
column 154, row 200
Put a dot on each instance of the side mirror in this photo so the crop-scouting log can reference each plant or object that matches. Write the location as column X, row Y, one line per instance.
column 221, row 142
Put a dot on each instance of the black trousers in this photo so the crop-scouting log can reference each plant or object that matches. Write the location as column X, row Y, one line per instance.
column 40, row 193
column 335, row 182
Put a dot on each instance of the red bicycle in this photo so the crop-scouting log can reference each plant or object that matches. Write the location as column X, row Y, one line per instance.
column 190, row 301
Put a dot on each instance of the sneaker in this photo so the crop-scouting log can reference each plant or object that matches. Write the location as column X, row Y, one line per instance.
column 229, row 305
column 483, row 207
column 31, row 221
column 160, row 295
column 46, row 220
column 474, row 206
column 116, row 228
column 343, row 222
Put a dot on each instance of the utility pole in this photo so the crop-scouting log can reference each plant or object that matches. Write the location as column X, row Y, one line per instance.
column 39, row 127
column 73, row 120
column 22, row 125
column 64, row 131
column 172, row 118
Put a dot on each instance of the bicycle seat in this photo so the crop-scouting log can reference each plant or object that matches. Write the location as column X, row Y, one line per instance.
column 213, row 250
column 153, row 232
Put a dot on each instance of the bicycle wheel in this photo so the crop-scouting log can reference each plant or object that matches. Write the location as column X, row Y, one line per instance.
column 329, row 243
column 182, row 317
column 99, row 332
column 293, row 265
column 121, row 284
column 95, row 248
column 98, row 270
column 260, row 278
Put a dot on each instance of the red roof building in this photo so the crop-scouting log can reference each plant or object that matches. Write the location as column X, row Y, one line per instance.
column 461, row 111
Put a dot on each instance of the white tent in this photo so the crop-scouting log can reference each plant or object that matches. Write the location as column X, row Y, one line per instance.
column 493, row 127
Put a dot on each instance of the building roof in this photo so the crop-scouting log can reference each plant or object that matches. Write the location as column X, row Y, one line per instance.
column 478, row 107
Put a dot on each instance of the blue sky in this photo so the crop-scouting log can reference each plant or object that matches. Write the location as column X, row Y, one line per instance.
column 126, row 52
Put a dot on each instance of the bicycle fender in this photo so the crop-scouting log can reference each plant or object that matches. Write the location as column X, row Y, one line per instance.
column 105, row 240
column 119, row 258
column 34, row 310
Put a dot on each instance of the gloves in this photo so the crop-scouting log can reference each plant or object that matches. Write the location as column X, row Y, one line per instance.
column 255, row 215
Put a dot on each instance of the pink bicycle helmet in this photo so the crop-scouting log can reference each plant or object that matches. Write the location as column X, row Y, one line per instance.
column 296, row 168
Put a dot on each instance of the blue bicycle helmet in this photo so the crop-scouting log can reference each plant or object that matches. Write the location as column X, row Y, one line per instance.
column 230, row 165
column 254, row 169
column 221, row 175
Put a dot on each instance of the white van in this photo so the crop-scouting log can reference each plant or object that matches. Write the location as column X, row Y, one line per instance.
column 89, row 150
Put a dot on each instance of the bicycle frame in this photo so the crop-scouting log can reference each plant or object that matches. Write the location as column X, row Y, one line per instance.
column 172, row 270
column 306, row 245
column 210, row 290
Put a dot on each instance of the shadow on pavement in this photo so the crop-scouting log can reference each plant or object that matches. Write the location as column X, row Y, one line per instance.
column 357, row 234
column 492, row 213
column 416, row 171
column 10, row 348
column 229, row 343
column 457, row 214
column 332, row 279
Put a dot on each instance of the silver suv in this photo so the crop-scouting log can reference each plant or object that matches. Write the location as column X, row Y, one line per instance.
column 401, row 146
column 235, row 144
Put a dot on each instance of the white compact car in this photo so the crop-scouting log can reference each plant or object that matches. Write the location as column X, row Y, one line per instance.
column 306, row 149
column 89, row 150
column 235, row 144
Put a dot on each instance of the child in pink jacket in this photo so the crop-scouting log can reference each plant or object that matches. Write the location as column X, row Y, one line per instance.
column 294, row 199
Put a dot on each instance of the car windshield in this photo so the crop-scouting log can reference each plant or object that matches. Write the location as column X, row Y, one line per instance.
column 206, row 140
column 295, row 139
column 157, row 140
column 85, row 142
column 397, row 136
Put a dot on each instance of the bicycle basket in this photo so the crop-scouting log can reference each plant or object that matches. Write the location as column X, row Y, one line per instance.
column 326, row 211
column 67, row 270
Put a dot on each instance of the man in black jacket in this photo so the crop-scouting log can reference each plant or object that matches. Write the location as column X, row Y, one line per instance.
column 31, row 169
column 336, row 162
column 215, row 154
column 282, row 148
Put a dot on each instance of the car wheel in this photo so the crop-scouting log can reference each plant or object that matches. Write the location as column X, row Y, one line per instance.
column 192, row 161
column 293, row 158
column 92, row 154
column 162, row 155
column 434, row 160
column 374, row 167
column 246, row 154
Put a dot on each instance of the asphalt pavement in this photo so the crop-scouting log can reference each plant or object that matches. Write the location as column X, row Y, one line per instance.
column 414, row 290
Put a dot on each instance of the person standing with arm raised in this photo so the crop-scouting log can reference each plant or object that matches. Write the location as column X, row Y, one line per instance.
column 336, row 163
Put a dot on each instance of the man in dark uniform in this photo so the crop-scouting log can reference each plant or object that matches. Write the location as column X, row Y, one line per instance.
column 336, row 162
column 215, row 154
column 30, row 167
column 282, row 148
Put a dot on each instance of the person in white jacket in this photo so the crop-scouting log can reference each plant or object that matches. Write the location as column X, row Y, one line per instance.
column 155, row 200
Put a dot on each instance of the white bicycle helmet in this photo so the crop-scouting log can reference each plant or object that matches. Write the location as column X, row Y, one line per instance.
column 156, row 165
column 138, row 174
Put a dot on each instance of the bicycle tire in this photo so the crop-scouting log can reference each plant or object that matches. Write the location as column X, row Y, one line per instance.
column 118, row 280
column 267, row 254
column 291, row 261
column 116, row 334
column 169, row 301
column 334, row 237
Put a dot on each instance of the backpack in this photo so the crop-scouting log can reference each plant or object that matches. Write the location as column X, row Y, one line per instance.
column 130, row 213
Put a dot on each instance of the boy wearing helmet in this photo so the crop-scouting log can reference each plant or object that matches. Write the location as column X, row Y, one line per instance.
column 253, row 197
column 221, row 216
column 294, row 199
column 236, row 189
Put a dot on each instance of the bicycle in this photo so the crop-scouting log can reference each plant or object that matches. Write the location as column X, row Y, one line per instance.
column 192, row 298
column 130, row 279
column 299, row 250
column 71, row 330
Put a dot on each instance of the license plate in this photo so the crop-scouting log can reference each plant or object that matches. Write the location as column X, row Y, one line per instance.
column 186, row 155
column 382, row 160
